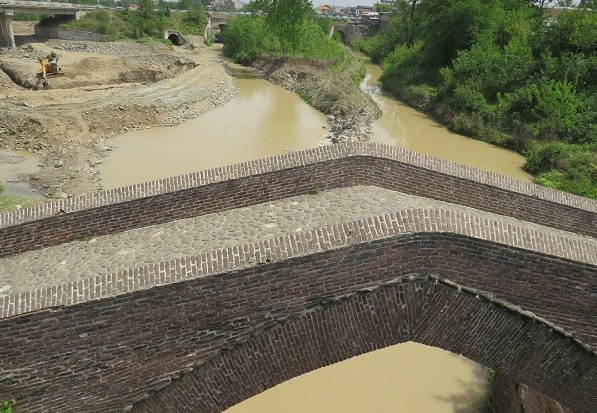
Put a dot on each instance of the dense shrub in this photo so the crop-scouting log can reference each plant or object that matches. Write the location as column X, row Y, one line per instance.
column 7, row 407
column 147, row 22
column 247, row 37
column 505, row 74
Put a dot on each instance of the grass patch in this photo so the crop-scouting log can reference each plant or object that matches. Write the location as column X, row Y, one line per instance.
column 9, row 203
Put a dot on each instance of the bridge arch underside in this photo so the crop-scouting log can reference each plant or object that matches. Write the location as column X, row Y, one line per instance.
column 211, row 341
column 420, row 310
column 410, row 306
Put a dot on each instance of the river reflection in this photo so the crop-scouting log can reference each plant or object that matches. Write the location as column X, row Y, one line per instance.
column 409, row 378
column 403, row 126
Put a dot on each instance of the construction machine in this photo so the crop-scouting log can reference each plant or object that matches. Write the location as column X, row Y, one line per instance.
column 49, row 68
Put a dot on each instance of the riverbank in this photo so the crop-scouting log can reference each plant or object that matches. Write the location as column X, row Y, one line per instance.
column 111, row 88
column 332, row 90
column 107, row 89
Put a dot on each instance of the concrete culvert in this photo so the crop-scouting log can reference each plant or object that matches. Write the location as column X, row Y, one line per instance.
column 176, row 38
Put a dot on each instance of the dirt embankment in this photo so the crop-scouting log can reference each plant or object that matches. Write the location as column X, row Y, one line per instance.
column 111, row 88
column 106, row 89
column 349, row 110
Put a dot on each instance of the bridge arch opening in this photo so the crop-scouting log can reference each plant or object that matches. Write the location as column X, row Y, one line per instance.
column 422, row 310
column 342, row 35
column 408, row 376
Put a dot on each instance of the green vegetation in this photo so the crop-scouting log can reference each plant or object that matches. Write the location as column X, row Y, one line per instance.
column 32, row 17
column 146, row 22
column 280, row 28
column 9, row 203
column 6, row 407
column 503, row 72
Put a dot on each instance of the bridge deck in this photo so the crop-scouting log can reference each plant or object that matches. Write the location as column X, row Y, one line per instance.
column 108, row 254
column 42, row 7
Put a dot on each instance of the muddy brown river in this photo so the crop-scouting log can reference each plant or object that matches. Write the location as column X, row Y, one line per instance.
column 265, row 120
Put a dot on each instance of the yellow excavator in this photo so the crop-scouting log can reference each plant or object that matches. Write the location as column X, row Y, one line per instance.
column 49, row 68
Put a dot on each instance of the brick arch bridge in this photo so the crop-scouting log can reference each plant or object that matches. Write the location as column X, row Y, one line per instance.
column 507, row 282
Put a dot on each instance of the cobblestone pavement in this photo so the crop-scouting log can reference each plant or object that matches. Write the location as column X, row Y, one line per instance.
column 134, row 248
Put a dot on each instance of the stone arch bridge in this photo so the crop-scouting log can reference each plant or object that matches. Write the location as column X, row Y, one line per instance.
column 501, row 271
column 349, row 32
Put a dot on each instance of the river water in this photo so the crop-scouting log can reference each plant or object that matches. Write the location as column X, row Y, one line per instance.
column 265, row 120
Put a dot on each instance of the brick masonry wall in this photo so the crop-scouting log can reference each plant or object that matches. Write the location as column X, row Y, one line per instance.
column 509, row 297
column 507, row 396
column 180, row 345
column 535, row 402
column 283, row 176
column 503, row 396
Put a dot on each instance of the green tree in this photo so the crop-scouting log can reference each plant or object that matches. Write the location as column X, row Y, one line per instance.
column 286, row 18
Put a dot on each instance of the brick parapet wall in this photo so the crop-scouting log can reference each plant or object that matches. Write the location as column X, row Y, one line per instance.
column 115, row 351
column 283, row 176
column 297, row 245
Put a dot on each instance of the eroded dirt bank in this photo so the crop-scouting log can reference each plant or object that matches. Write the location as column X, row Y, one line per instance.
column 111, row 88
column 335, row 93
column 107, row 89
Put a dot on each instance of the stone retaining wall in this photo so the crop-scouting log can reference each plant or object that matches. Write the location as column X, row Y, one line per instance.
column 54, row 33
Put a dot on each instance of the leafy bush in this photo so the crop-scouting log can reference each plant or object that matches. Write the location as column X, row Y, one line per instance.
column 147, row 22
column 246, row 38
column 564, row 166
column 380, row 45
column 402, row 68
column 6, row 407
column 97, row 21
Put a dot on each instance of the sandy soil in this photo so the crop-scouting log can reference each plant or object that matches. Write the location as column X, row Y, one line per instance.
column 106, row 89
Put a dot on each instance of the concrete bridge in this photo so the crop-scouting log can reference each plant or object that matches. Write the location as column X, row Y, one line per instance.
column 9, row 7
column 501, row 271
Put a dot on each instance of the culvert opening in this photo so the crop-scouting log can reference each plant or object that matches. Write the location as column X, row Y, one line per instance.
column 176, row 39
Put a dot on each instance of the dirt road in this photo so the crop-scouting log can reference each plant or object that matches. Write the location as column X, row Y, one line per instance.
column 107, row 89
